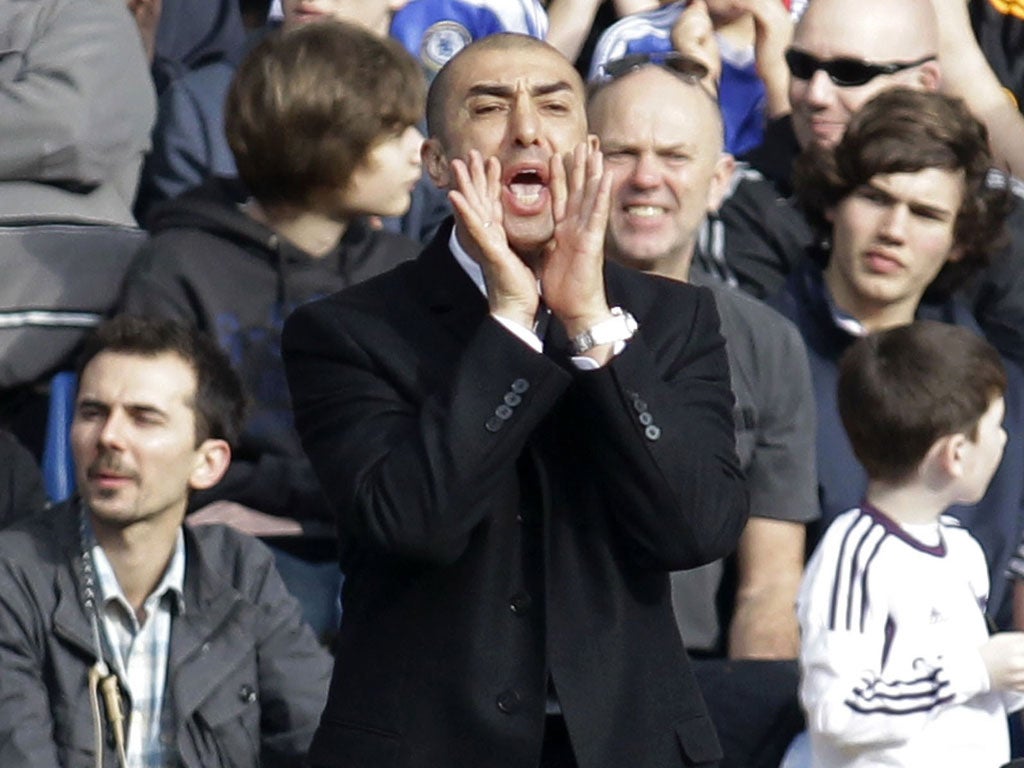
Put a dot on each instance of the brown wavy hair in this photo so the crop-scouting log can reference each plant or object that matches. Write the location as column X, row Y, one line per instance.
column 307, row 105
column 905, row 131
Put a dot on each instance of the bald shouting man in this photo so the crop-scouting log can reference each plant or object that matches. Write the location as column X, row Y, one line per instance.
column 514, row 479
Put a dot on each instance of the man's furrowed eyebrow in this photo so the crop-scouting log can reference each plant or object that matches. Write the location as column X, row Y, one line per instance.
column 491, row 89
column 546, row 89
column 507, row 91
column 625, row 145
column 133, row 408
column 917, row 206
column 145, row 409
column 88, row 402
column 936, row 212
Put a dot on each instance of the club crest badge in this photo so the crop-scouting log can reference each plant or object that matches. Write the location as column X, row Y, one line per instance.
column 441, row 41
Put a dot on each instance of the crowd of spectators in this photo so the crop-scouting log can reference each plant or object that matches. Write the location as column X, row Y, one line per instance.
column 830, row 169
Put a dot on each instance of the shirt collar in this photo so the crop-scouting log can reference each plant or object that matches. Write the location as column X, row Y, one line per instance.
column 172, row 583
column 840, row 317
column 464, row 260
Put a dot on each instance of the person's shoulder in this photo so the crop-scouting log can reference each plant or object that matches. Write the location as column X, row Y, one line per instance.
column 204, row 222
column 230, row 542
column 751, row 187
column 395, row 289
column 763, row 344
column 646, row 292
column 380, row 294
column 43, row 13
column 958, row 538
column 239, row 558
column 843, row 522
column 757, row 319
column 853, row 524
column 826, row 563
column 369, row 252
column 37, row 539
column 801, row 298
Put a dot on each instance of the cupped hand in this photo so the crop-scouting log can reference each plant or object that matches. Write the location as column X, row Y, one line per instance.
column 571, row 267
column 511, row 285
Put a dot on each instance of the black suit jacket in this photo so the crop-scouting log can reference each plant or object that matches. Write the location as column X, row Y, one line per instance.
column 507, row 520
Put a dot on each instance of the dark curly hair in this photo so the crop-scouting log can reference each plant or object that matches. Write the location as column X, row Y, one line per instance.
column 905, row 131
column 219, row 402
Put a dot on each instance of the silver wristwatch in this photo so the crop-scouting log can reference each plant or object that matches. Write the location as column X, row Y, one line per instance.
column 619, row 327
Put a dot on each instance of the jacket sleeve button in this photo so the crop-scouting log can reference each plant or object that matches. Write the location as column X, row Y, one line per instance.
column 520, row 603
column 512, row 399
column 493, row 424
column 503, row 412
column 247, row 694
column 509, row 701
column 520, row 385
column 652, row 432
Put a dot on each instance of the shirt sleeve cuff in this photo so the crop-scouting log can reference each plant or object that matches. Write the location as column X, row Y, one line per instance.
column 524, row 334
column 587, row 363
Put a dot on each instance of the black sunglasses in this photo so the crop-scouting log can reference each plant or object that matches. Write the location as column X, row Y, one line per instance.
column 844, row 71
column 689, row 69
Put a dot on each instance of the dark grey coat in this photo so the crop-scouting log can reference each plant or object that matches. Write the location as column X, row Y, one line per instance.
column 247, row 677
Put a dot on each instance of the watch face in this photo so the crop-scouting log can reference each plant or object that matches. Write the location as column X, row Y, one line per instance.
column 619, row 327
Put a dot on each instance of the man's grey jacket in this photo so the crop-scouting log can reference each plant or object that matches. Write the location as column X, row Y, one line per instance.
column 246, row 677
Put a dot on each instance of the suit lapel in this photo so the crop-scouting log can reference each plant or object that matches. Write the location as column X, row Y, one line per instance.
column 450, row 293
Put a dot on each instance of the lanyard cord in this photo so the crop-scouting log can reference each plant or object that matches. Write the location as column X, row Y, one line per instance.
column 99, row 674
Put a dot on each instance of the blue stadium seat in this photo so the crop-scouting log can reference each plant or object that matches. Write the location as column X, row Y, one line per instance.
column 58, row 467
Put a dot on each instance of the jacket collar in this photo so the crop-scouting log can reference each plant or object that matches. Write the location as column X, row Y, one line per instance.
column 70, row 621
column 209, row 598
column 210, row 601
column 450, row 293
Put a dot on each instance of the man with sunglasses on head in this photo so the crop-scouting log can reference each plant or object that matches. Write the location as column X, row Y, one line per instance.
column 520, row 442
column 661, row 135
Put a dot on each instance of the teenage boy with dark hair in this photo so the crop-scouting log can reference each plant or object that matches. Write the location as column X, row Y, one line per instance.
column 188, row 632
column 321, row 120
column 898, row 665
column 902, row 200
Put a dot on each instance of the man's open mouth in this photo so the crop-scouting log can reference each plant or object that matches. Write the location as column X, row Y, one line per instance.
column 526, row 188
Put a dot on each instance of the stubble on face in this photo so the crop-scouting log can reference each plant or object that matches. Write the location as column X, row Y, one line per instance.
column 133, row 438
column 891, row 238
column 520, row 101
column 662, row 140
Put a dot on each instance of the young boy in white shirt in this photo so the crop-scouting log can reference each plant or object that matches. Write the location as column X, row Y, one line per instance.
column 898, row 667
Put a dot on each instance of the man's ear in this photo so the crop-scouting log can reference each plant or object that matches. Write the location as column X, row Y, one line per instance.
column 951, row 451
column 721, row 180
column 436, row 163
column 929, row 76
column 212, row 459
